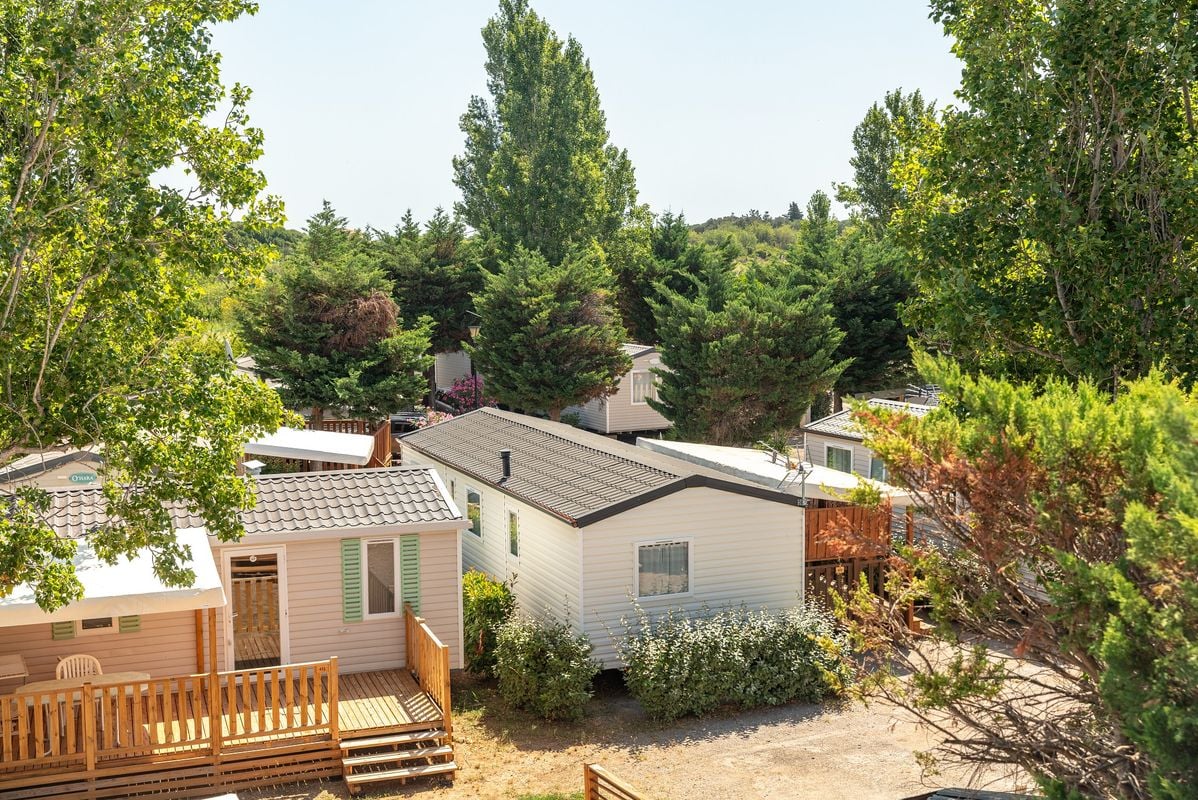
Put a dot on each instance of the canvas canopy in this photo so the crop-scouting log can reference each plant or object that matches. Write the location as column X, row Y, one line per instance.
column 306, row 445
column 749, row 464
column 126, row 588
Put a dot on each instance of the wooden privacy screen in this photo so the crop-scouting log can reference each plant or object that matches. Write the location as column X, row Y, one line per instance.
column 599, row 784
column 847, row 532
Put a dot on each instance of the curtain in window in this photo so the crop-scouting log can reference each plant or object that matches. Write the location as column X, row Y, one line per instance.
column 663, row 569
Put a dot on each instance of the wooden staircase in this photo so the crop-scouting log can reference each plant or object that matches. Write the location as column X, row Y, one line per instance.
column 396, row 757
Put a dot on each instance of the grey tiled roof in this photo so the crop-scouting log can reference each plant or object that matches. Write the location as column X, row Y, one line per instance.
column 579, row 476
column 634, row 350
column 300, row 502
column 841, row 423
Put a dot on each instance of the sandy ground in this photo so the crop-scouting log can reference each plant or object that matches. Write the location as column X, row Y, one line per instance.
column 795, row 751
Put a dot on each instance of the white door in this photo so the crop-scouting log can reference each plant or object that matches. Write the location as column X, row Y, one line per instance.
column 256, row 632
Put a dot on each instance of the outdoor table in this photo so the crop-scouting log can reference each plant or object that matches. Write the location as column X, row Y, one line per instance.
column 13, row 667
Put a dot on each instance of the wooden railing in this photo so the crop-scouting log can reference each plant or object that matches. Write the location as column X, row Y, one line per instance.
column 599, row 784
column 188, row 714
column 866, row 532
column 428, row 660
column 381, row 432
column 257, row 604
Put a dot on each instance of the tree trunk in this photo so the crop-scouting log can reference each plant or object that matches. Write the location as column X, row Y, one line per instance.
column 316, row 418
column 555, row 414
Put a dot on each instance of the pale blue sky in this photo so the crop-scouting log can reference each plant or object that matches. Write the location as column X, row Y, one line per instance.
column 722, row 106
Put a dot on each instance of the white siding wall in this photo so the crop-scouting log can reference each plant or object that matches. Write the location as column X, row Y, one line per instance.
column 315, row 625
column 546, row 571
column 622, row 414
column 451, row 366
column 744, row 550
column 165, row 645
column 817, row 449
column 591, row 415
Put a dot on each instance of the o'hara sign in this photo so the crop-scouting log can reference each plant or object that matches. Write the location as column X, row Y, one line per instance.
column 82, row 477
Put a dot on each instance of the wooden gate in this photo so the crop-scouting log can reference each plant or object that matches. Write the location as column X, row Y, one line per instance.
column 842, row 576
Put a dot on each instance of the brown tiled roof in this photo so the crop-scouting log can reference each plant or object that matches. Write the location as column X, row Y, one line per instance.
column 295, row 503
column 841, row 423
column 576, row 475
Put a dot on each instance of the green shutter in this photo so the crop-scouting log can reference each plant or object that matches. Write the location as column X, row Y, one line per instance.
column 351, row 580
column 62, row 630
column 130, row 624
column 409, row 569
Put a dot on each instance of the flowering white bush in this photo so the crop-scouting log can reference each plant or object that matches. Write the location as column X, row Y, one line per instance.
column 544, row 667
column 677, row 665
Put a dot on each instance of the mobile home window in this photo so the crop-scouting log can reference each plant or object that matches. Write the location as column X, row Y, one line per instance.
column 663, row 568
column 840, row 458
column 97, row 625
column 644, row 386
column 474, row 511
column 877, row 469
column 381, row 577
column 513, row 533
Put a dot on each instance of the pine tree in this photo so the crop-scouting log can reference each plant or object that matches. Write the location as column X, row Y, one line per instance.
column 550, row 334
column 745, row 355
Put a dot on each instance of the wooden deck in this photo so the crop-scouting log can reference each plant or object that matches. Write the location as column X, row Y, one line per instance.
column 389, row 701
column 228, row 730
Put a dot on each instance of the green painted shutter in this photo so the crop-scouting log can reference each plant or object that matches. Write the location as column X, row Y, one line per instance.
column 62, row 630
column 351, row 580
column 409, row 569
column 130, row 624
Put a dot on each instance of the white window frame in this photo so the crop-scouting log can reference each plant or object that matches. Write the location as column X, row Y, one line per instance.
column 513, row 513
column 689, row 541
column 479, row 533
column 366, row 613
column 872, row 460
column 828, row 452
column 81, row 631
column 652, row 392
column 280, row 554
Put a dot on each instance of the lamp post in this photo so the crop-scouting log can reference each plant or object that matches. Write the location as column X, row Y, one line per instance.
column 473, row 326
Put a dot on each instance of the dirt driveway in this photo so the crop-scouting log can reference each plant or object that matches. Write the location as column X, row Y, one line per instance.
column 795, row 751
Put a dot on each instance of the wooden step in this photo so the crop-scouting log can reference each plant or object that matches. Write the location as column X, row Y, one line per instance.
column 400, row 774
column 397, row 755
column 396, row 738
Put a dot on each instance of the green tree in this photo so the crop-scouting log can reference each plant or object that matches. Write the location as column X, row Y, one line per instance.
column 793, row 212
column 743, row 355
column 538, row 170
column 814, row 252
column 1065, row 593
column 550, row 334
column 1052, row 219
column 330, row 333
column 101, row 267
column 877, row 145
column 435, row 272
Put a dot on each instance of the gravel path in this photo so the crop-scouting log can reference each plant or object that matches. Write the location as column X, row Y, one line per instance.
column 794, row 751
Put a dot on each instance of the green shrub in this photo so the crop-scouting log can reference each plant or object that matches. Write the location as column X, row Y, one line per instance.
column 676, row 665
column 544, row 667
column 486, row 604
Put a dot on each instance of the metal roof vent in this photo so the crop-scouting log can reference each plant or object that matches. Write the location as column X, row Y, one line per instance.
column 506, row 457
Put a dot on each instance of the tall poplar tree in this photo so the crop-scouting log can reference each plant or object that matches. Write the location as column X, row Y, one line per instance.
column 538, row 170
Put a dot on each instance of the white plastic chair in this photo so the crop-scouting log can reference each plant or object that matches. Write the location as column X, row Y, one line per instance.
column 78, row 666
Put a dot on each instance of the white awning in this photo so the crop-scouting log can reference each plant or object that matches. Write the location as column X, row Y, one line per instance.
column 123, row 589
column 338, row 448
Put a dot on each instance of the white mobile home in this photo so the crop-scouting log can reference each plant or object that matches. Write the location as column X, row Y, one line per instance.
column 585, row 525
column 628, row 409
column 836, row 442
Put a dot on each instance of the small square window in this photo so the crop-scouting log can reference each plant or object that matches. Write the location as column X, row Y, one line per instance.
column 663, row 568
column 474, row 511
column 840, row 458
column 877, row 469
column 513, row 533
column 644, row 386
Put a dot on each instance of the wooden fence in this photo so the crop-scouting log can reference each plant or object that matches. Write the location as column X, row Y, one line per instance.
column 843, row 575
column 866, row 532
column 381, row 431
column 256, row 601
column 599, row 784
column 428, row 659
column 184, row 715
